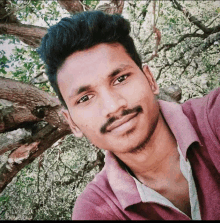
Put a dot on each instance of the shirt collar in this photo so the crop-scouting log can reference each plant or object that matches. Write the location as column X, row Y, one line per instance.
column 122, row 184
column 179, row 124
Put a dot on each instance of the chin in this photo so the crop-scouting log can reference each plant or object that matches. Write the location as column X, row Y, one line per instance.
column 139, row 146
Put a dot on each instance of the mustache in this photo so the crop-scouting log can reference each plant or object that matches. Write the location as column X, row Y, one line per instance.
column 137, row 109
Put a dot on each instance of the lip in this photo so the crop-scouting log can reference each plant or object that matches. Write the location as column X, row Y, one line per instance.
column 121, row 121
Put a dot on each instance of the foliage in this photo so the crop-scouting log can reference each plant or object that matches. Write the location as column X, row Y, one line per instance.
column 3, row 63
column 47, row 188
column 197, row 75
column 48, row 192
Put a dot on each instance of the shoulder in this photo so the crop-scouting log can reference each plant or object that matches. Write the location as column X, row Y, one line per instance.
column 208, row 101
column 205, row 112
column 95, row 202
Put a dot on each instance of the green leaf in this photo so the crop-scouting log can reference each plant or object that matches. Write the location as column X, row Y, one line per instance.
column 4, row 198
column 2, row 70
column 30, row 178
column 172, row 20
column 88, row 2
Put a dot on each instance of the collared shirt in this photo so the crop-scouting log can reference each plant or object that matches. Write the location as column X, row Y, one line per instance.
column 149, row 195
column 113, row 194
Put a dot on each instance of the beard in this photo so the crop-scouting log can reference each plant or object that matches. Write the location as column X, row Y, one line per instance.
column 141, row 146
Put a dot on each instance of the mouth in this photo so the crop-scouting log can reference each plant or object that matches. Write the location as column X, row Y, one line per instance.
column 122, row 121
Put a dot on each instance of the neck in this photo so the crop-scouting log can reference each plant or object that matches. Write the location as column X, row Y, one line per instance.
column 157, row 160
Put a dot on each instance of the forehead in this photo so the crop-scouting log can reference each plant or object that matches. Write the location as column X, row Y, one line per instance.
column 86, row 67
column 94, row 56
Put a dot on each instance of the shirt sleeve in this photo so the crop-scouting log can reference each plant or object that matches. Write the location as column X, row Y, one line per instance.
column 91, row 206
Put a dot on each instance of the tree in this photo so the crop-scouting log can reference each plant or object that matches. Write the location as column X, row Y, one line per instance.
column 180, row 46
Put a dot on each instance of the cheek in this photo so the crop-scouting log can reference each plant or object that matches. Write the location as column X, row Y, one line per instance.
column 86, row 120
column 138, row 91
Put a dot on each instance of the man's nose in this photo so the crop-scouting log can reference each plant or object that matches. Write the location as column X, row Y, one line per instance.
column 113, row 103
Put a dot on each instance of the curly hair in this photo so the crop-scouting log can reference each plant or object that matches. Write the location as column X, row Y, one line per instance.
column 83, row 31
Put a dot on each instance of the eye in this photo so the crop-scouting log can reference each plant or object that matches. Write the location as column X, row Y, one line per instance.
column 120, row 79
column 84, row 98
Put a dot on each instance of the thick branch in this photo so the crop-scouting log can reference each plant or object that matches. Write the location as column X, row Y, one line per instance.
column 29, row 34
column 13, row 140
column 12, row 117
column 28, row 104
column 41, row 104
column 28, row 153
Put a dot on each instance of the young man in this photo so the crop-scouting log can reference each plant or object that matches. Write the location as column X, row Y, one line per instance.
column 162, row 159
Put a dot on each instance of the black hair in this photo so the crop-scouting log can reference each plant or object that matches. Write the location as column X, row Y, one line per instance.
column 79, row 32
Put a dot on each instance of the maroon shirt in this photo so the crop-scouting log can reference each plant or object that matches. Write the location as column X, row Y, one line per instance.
column 113, row 194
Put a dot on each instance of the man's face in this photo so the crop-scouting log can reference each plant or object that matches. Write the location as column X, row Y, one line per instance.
column 109, row 99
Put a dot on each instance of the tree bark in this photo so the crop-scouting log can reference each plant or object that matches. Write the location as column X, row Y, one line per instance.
column 39, row 103
column 28, row 105
column 27, row 153
column 28, row 34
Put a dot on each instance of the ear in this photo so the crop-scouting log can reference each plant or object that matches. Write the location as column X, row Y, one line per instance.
column 76, row 131
column 153, row 84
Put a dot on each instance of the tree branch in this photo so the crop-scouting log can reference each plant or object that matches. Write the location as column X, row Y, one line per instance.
column 10, row 25
column 193, row 19
column 29, row 34
column 40, row 103
column 26, row 154
column 72, row 6
column 28, row 104
column 157, row 34
column 7, row 16
column 86, row 169
column 182, row 38
column 114, row 6
column 13, row 140
column 168, row 46
column 13, row 116
column 33, row 80
column 209, row 41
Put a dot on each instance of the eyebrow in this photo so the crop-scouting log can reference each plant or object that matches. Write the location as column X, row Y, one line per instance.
column 80, row 90
column 110, row 76
column 83, row 89
column 118, row 70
